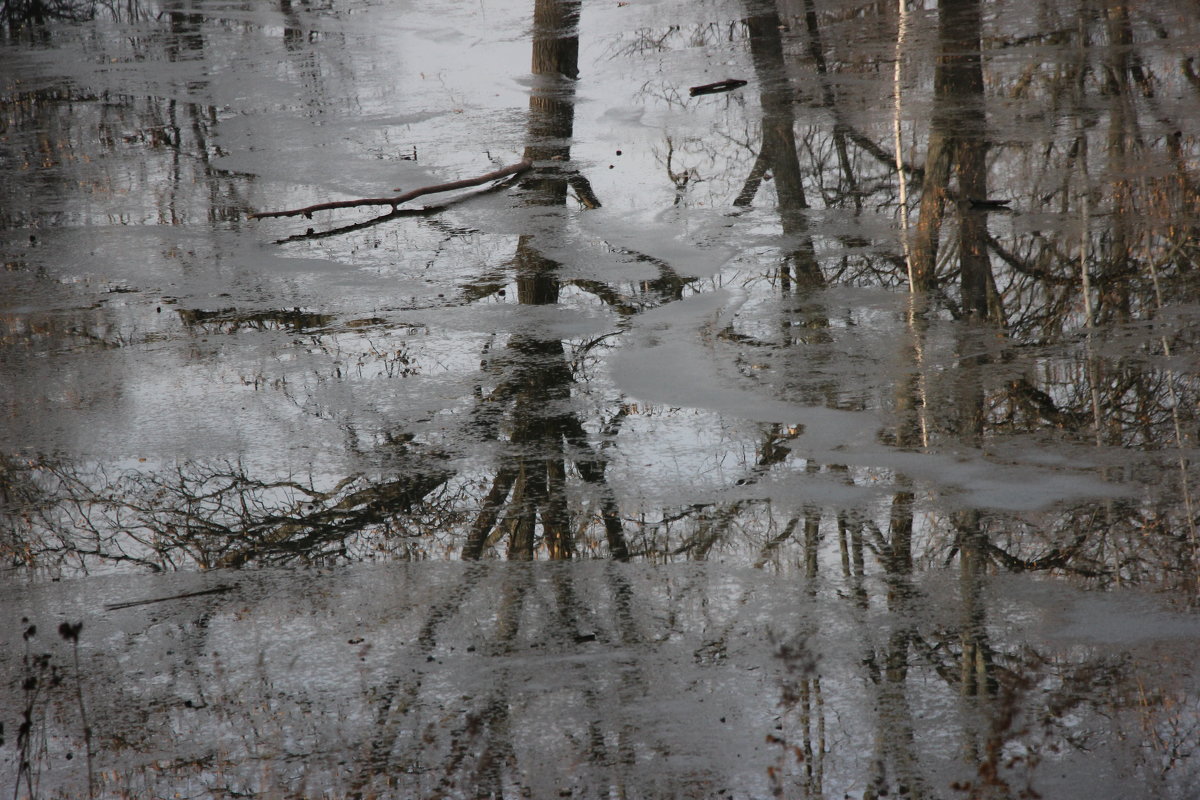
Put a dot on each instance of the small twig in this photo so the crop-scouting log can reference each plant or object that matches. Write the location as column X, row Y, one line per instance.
column 201, row 593
column 307, row 211
column 727, row 85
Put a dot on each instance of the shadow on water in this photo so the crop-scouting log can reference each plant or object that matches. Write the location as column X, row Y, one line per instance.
column 856, row 398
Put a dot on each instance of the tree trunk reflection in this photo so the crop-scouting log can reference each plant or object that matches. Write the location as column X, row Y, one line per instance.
column 546, row 435
column 957, row 147
column 778, row 154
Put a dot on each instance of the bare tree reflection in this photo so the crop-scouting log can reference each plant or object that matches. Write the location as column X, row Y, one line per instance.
column 957, row 148
column 32, row 14
column 1087, row 291
column 528, row 500
column 779, row 155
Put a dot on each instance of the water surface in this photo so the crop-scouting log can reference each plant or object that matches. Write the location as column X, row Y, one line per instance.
column 855, row 404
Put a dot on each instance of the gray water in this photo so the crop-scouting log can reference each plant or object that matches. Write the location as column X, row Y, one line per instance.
column 861, row 475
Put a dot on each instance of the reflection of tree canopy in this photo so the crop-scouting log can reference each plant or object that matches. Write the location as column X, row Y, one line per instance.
column 1097, row 146
column 217, row 515
column 1054, row 214
column 20, row 13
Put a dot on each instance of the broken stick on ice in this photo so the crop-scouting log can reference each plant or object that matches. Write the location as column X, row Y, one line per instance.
column 727, row 85
column 307, row 211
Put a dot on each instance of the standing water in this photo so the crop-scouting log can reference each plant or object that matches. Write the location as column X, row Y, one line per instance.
column 791, row 399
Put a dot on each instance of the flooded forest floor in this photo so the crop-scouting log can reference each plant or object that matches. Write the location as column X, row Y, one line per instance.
column 642, row 399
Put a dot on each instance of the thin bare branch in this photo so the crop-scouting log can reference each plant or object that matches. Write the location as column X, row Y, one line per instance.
column 512, row 169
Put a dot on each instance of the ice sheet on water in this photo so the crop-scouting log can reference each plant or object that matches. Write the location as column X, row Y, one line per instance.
column 588, row 673
column 670, row 357
column 1125, row 619
column 688, row 242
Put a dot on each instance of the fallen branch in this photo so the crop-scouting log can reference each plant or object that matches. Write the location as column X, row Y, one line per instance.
column 307, row 211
